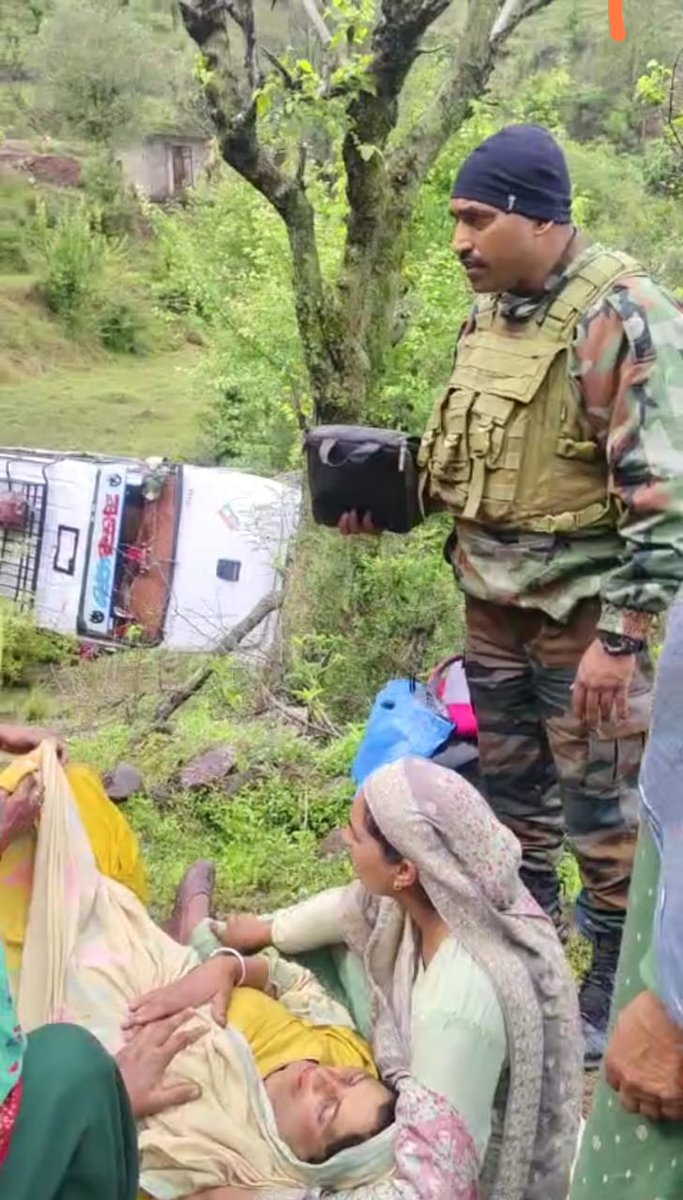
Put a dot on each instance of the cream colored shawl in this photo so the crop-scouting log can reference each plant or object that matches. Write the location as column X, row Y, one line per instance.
column 91, row 948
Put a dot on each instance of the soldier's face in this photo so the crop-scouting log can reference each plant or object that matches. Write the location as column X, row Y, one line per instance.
column 499, row 251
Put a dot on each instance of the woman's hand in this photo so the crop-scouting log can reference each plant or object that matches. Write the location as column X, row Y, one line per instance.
column 23, row 739
column 644, row 1060
column 146, row 1056
column 210, row 983
column 244, row 932
column 19, row 811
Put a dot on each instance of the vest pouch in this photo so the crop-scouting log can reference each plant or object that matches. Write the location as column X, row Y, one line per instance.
column 580, row 451
column 496, row 433
column 450, row 458
column 351, row 467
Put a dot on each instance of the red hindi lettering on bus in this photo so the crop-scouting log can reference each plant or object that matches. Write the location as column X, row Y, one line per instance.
column 105, row 545
column 111, row 506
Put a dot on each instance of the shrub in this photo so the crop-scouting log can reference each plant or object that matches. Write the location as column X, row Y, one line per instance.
column 359, row 614
column 24, row 647
column 104, row 189
column 72, row 254
column 122, row 324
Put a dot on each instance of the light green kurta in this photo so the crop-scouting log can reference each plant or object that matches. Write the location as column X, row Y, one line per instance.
column 459, row 1045
column 458, row 1038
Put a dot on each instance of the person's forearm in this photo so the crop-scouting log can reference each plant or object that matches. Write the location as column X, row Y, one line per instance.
column 649, row 577
column 257, row 973
column 5, row 738
column 265, row 934
column 310, row 924
column 630, row 381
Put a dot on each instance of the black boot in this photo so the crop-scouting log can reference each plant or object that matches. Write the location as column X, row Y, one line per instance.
column 595, row 997
column 545, row 889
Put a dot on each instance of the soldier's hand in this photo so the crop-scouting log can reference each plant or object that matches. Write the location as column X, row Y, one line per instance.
column 602, row 685
column 350, row 523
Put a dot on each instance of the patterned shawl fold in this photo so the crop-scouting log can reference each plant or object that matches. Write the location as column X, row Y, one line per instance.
column 468, row 864
column 90, row 948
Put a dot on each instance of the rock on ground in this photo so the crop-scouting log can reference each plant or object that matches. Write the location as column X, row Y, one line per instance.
column 122, row 782
column 208, row 769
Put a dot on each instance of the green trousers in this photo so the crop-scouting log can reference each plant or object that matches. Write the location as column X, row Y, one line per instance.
column 75, row 1138
column 623, row 1156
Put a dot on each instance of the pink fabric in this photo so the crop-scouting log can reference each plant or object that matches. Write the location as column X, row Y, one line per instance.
column 462, row 716
column 434, row 1149
column 9, row 1112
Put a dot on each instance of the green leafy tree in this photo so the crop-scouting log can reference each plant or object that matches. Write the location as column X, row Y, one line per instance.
column 96, row 69
column 658, row 91
column 264, row 107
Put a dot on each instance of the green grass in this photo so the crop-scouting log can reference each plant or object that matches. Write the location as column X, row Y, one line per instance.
column 63, row 393
column 263, row 840
column 129, row 405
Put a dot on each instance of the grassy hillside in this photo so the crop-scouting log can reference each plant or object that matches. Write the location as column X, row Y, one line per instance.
column 67, row 394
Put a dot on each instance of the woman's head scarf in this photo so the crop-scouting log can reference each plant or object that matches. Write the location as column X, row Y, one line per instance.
column 468, row 864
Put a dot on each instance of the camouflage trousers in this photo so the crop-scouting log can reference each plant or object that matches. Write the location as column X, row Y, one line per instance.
column 547, row 776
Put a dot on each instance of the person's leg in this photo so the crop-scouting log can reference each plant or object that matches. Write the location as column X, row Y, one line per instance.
column 598, row 773
column 75, row 1138
column 192, row 902
column 623, row 1155
column 516, row 767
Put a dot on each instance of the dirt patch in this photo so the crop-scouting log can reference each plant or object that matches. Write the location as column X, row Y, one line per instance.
column 59, row 170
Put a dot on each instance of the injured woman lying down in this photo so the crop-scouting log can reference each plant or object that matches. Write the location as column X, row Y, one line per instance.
column 290, row 1101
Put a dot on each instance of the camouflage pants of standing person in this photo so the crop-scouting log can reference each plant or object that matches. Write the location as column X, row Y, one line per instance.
column 545, row 775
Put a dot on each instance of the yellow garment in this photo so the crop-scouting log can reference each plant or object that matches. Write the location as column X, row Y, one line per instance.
column 507, row 444
column 277, row 1037
column 114, row 845
column 90, row 948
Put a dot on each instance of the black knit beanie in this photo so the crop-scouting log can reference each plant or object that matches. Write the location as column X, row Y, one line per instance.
column 520, row 170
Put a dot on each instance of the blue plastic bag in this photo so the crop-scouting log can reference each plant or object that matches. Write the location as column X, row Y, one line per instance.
column 402, row 721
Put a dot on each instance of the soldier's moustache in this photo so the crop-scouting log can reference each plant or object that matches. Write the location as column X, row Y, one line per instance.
column 472, row 261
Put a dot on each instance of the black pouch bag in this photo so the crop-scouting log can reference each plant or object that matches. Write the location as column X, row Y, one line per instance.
column 351, row 467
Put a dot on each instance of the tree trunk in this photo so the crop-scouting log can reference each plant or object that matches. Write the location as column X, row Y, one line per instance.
column 346, row 327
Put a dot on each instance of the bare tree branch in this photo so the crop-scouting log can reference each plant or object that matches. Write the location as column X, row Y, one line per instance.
column 232, row 106
column 268, row 604
column 373, row 113
column 671, row 122
column 286, row 76
column 512, row 13
column 312, row 12
column 472, row 66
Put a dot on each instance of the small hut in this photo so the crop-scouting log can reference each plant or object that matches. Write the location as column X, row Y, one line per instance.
column 165, row 165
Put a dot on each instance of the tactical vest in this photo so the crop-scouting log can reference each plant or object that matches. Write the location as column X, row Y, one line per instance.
column 506, row 446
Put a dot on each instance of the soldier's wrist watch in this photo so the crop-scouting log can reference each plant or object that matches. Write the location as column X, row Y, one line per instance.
column 618, row 645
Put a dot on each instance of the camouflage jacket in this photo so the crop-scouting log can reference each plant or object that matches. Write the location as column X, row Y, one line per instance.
column 627, row 362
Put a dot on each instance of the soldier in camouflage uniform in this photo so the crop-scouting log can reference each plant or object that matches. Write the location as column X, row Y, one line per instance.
column 558, row 447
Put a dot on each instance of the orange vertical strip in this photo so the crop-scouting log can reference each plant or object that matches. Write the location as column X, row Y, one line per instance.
column 617, row 24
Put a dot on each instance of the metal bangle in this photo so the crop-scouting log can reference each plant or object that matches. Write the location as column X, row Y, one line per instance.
column 230, row 953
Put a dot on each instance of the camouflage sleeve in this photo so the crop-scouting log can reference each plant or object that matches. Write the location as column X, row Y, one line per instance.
column 628, row 363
